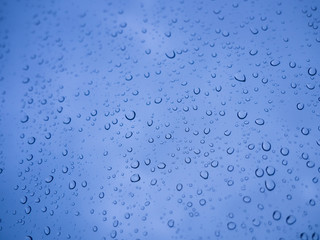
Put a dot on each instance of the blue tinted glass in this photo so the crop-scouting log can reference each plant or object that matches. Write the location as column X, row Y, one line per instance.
column 159, row 119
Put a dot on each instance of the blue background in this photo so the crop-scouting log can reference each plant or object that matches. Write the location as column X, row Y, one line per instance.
column 159, row 119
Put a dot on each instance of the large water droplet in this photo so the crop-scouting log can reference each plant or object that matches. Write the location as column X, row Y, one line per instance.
column 240, row 77
column 135, row 178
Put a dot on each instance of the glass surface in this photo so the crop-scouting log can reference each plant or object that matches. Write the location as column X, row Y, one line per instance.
column 159, row 119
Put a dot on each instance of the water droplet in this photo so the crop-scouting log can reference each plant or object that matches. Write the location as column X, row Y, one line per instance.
column 270, row 170
column 247, row 199
column 284, row 151
column 128, row 77
column 240, row 77
column 305, row 131
column 171, row 55
column 72, row 184
column 312, row 71
column 270, row 184
column 259, row 172
column 259, row 121
column 276, row 215
column 135, row 178
column 300, row 106
column 204, row 174
column 187, row 160
column 179, row 186
column 202, row 202
column 292, row 64
column 47, row 230
column 274, row 63
column 214, row 163
column 231, row 225
column 135, row 164
column 67, row 120
column 130, row 115
column 242, row 114
column 266, row 146
column 161, row 165
column 291, row 220
column 170, row 223
column 49, row 179
column 24, row 119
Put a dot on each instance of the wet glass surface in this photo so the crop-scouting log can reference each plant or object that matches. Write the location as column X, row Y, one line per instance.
column 159, row 119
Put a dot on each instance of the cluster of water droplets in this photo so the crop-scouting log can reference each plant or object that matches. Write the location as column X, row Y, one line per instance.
column 162, row 120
